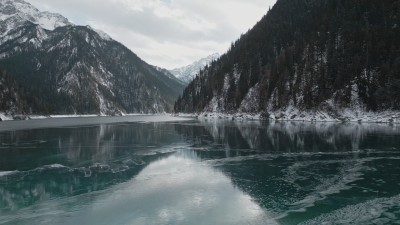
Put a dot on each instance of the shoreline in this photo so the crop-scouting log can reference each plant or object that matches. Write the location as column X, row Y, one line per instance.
column 387, row 117
column 19, row 117
column 12, row 125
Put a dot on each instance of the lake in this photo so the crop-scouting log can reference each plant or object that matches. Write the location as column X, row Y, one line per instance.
column 126, row 172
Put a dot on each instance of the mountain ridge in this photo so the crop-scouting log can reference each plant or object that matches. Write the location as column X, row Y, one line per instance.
column 314, row 56
column 76, row 69
column 187, row 73
column 15, row 12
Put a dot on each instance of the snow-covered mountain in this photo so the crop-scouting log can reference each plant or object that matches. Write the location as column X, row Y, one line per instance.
column 326, row 59
column 187, row 73
column 168, row 74
column 14, row 13
column 63, row 68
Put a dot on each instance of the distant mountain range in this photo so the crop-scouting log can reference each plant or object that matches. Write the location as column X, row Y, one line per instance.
column 51, row 66
column 324, row 57
column 187, row 73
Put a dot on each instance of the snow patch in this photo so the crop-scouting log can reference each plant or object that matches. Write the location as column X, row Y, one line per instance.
column 55, row 166
column 102, row 104
column 250, row 102
column 15, row 13
column 103, row 35
column 3, row 117
column 6, row 173
column 294, row 114
column 187, row 73
column 68, row 116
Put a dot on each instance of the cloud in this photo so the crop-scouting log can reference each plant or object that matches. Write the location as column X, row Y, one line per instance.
column 167, row 33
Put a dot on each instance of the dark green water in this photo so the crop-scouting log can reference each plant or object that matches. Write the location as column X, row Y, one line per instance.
column 215, row 172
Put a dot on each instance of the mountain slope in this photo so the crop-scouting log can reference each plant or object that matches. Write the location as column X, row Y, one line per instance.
column 316, row 55
column 187, row 73
column 75, row 69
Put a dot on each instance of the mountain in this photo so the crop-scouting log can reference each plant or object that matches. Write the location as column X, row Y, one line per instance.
column 62, row 68
column 187, row 73
column 326, row 57
column 14, row 13
column 169, row 74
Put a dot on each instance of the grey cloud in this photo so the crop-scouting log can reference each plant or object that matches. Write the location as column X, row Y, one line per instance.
column 147, row 29
column 144, row 22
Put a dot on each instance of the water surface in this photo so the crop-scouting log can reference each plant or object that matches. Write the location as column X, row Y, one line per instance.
column 200, row 172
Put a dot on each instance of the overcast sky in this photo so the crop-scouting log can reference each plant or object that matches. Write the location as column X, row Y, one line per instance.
column 166, row 33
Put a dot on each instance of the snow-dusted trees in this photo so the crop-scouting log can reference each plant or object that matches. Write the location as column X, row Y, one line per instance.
column 308, row 53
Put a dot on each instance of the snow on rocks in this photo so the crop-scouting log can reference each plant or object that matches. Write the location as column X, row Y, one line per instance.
column 14, row 13
column 293, row 114
column 101, row 33
column 3, row 117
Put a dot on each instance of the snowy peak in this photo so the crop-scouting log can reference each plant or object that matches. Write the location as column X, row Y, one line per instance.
column 50, row 21
column 101, row 33
column 187, row 73
column 14, row 13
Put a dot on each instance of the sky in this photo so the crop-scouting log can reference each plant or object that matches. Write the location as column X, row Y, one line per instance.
column 165, row 33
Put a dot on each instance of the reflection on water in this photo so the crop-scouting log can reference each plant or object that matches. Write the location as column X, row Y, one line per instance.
column 49, row 163
column 81, row 146
column 201, row 172
column 174, row 190
column 292, row 137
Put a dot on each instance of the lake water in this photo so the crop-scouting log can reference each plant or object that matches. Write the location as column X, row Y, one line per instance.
column 200, row 172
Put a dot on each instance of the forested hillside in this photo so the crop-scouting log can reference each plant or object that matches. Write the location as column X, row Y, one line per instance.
column 12, row 96
column 307, row 55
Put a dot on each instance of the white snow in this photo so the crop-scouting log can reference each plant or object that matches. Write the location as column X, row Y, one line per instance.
column 3, row 117
column 187, row 73
column 249, row 103
column 102, row 102
column 101, row 33
column 294, row 114
column 38, row 117
column 6, row 173
column 71, row 116
column 11, row 36
column 17, row 12
column 50, row 21
column 55, row 166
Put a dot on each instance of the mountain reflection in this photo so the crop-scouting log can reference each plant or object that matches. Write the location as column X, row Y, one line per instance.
column 50, row 163
column 290, row 168
column 291, row 137
column 81, row 146
column 199, row 172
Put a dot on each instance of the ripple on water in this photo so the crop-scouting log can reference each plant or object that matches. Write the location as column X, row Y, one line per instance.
column 88, row 171
column 321, row 187
column 376, row 211
column 23, row 144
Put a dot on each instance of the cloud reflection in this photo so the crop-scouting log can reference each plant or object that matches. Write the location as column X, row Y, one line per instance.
column 175, row 190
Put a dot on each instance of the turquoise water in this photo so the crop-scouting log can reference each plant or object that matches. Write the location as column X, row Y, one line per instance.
column 201, row 172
